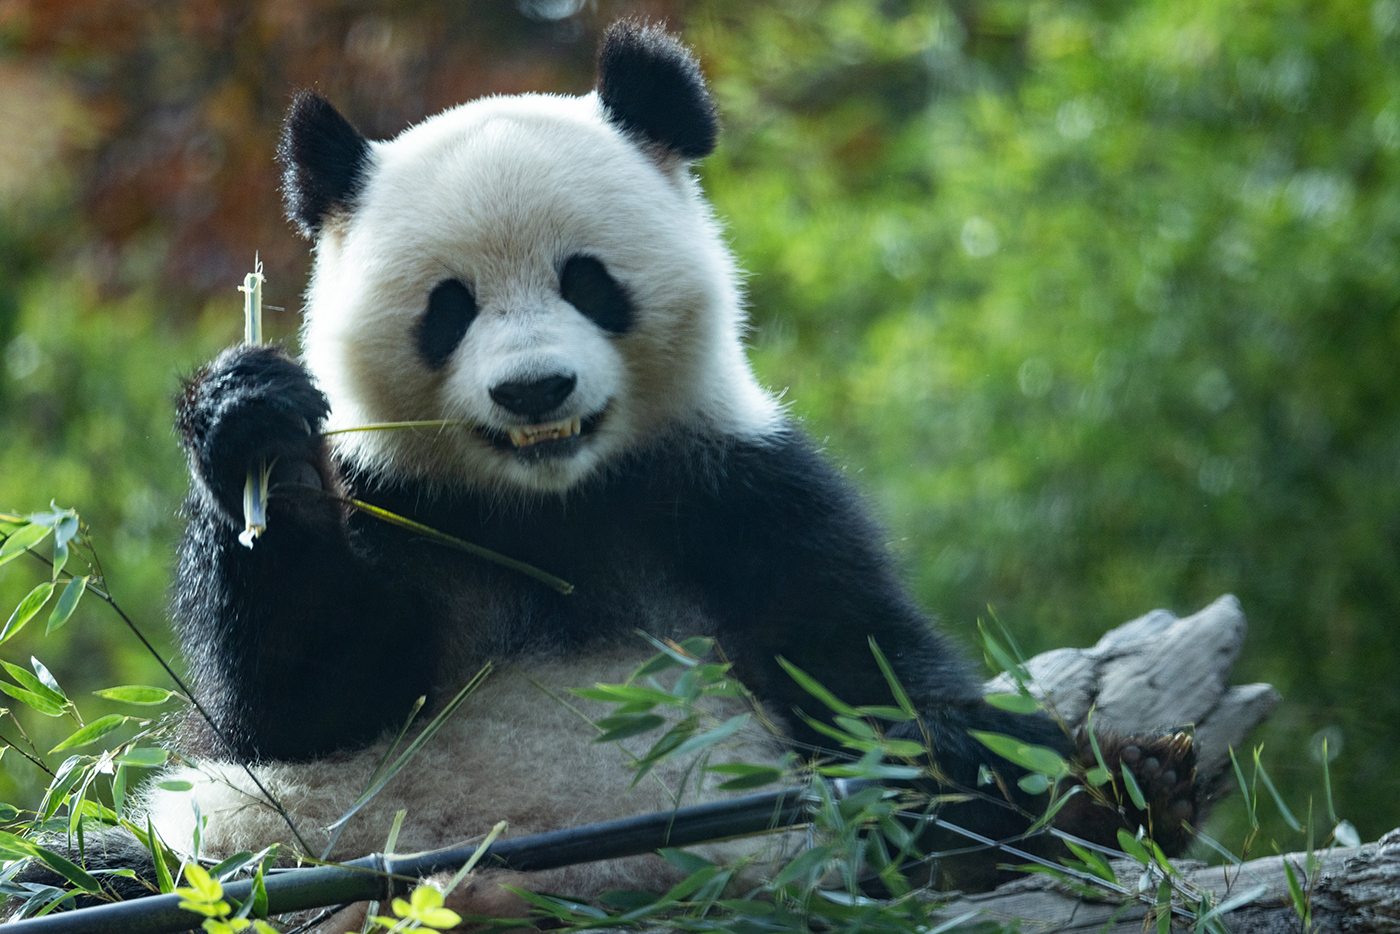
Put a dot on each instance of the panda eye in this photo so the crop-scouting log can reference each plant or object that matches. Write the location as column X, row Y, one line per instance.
column 451, row 309
column 586, row 284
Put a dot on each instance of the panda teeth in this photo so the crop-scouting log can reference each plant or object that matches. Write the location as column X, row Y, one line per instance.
column 527, row 435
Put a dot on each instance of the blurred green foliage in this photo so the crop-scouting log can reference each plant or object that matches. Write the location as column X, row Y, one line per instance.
column 1097, row 300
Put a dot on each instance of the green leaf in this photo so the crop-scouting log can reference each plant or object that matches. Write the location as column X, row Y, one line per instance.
column 896, row 689
column 1035, row 758
column 146, row 757
column 1235, row 901
column 1288, row 817
column 903, row 748
column 66, row 527
column 1098, row 776
column 160, row 856
column 1245, row 791
column 1034, row 783
column 855, row 726
column 626, row 694
column 883, row 713
column 25, row 537
column 175, row 784
column 1000, row 655
column 625, row 725
column 813, row 687
column 1130, row 783
column 136, row 694
column 689, row 885
column 40, row 703
column 26, row 610
column 710, row 737
column 1013, row 703
column 808, row 863
column 258, row 902
column 33, row 683
column 1133, row 847
column 92, row 732
column 44, row 675
column 1093, row 862
column 684, row 860
column 119, row 789
column 234, row 864
column 760, row 776
column 69, row 870
column 60, row 559
column 67, row 602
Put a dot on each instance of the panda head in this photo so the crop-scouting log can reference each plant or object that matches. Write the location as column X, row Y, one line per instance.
column 540, row 268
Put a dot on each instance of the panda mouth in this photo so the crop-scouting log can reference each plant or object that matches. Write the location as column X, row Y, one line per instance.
column 530, row 435
column 561, row 438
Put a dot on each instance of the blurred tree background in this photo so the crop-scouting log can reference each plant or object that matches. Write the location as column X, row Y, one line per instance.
column 1096, row 299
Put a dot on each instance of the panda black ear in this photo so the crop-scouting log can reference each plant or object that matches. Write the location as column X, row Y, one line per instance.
column 652, row 87
column 324, row 161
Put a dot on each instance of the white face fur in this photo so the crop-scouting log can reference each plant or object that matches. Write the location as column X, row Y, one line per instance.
column 499, row 195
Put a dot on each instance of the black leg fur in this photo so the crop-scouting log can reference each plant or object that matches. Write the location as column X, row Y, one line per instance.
column 294, row 650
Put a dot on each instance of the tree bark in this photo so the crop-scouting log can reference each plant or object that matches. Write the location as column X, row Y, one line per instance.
column 1160, row 673
column 1354, row 890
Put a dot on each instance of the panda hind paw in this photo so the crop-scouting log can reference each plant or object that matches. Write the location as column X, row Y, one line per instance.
column 1163, row 766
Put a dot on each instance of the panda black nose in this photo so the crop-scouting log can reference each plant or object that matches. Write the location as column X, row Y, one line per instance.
column 534, row 399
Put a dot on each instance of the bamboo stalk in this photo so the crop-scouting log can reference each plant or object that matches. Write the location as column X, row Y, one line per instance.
column 255, row 485
column 383, row 877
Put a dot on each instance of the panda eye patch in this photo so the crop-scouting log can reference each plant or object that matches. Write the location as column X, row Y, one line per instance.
column 586, row 284
column 451, row 308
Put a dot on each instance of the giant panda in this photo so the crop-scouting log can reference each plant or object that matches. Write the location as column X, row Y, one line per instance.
column 543, row 275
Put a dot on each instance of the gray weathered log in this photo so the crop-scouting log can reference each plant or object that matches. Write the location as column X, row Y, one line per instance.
column 1355, row 890
column 1160, row 672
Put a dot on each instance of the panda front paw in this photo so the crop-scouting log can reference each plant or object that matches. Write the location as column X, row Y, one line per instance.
column 1163, row 765
column 252, row 405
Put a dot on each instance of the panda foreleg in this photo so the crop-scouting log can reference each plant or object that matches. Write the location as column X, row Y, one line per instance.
column 798, row 570
column 295, row 646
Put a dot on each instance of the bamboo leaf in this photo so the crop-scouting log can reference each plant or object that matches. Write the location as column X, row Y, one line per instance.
column 140, row 694
column 755, row 776
column 806, row 864
column 1013, row 703
column 92, row 732
column 900, row 696
column 625, row 725
column 1133, row 847
column 146, row 757
column 23, row 538
column 813, row 687
column 1238, row 900
column 70, row 871
column 1034, row 783
column 40, row 703
column 160, row 855
column 66, row 528
column 1130, row 783
column 46, row 677
column 67, row 602
column 31, row 682
column 1278, row 799
column 709, row 738
column 26, row 610
column 1035, row 758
